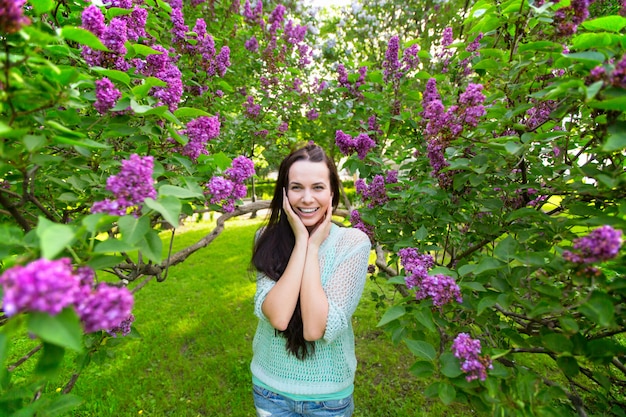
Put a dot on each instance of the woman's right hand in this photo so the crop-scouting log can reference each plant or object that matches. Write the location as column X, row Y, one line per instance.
column 299, row 229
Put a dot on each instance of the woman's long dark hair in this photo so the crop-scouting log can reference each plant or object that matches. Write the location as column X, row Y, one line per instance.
column 274, row 246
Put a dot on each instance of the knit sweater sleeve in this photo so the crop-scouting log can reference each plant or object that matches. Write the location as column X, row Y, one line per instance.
column 345, row 285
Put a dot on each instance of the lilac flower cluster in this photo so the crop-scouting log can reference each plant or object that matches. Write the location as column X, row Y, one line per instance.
column 445, row 53
column 252, row 44
column 442, row 289
column 600, row 245
column 49, row 286
column 130, row 187
column 468, row 351
column 227, row 189
column 358, row 223
column 567, row 19
column 539, row 114
column 443, row 126
column 43, row 285
column 472, row 48
column 113, row 36
column 353, row 87
column 618, row 75
column 391, row 65
column 253, row 15
column 200, row 131
column 106, row 307
column 163, row 67
column 106, row 95
column 11, row 16
column 393, row 69
column 124, row 328
column 361, row 144
column 252, row 110
column 376, row 193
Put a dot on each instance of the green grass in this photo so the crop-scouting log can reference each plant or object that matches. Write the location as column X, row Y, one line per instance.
column 195, row 349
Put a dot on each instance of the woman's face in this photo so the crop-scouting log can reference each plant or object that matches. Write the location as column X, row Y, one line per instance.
column 309, row 191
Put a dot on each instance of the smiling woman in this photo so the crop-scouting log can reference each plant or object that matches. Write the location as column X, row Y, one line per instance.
column 311, row 275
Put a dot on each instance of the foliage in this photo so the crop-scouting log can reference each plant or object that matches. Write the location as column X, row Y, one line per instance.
column 504, row 120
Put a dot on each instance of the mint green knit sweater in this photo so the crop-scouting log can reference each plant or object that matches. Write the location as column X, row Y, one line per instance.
column 344, row 257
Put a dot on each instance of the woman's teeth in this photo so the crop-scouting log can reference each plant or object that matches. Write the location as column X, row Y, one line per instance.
column 308, row 210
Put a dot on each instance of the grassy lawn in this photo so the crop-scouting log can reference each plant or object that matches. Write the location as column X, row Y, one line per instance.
column 196, row 334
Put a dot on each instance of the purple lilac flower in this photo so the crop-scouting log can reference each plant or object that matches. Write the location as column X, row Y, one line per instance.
column 124, row 328
column 567, row 19
column 115, row 36
column 225, row 190
column 539, row 114
column 11, row 16
column 294, row 34
column 253, row 15
column 600, row 245
column 172, row 93
column 122, row 4
column 200, row 131
column 252, row 110
column 136, row 24
column 618, row 75
column 179, row 28
column 107, row 307
column 468, row 351
column 176, row 4
column 410, row 60
column 241, row 169
column 357, row 223
column 361, row 144
column 130, row 187
column 391, row 63
column 471, row 104
column 252, row 44
column 283, row 127
column 416, row 265
column 106, row 95
column 47, row 286
column 223, row 60
column 93, row 20
column 276, row 18
column 441, row 288
column 375, row 194
column 312, row 114
column 305, row 53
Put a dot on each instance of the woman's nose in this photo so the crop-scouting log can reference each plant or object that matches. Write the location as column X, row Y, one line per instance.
column 307, row 196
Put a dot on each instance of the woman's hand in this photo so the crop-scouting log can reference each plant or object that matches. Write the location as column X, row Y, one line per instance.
column 322, row 230
column 299, row 229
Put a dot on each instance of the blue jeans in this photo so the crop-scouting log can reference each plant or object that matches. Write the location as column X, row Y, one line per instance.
column 270, row 404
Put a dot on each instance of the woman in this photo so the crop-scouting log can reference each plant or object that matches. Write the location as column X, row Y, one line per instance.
column 311, row 275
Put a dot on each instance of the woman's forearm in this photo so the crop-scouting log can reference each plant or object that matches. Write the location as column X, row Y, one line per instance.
column 281, row 300
column 313, row 300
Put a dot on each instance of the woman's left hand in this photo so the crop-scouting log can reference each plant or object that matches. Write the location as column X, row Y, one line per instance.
column 322, row 230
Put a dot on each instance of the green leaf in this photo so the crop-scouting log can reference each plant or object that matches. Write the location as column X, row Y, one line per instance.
column 447, row 393
column 422, row 369
column 599, row 308
column 190, row 112
column 485, row 303
column 152, row 246
column 488, row 264
column 392, row 314
column 113, row 75
column 557, row 342
column 569, row 365
column 4, row 349
column 63, row 330
column 145, row 50
column 617, row 137
column 506, row 248
column 450, row 365
column 608, row 23
column 84, row 37
column 133, row 229
column 50, row 359
column 424, row 316
column 618, row 104
column 175, row 191
column 62, row 405
column 53, row 237
column 42, row 6
column 112, row 245
column 422, row 350
column 169, row 207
